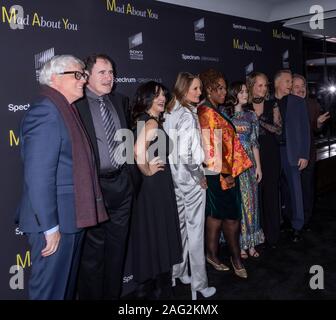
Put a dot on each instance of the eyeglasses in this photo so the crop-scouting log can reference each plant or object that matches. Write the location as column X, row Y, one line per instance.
column 78, row 75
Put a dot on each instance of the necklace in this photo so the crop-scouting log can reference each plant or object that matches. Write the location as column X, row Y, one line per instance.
column 151, row 115
column 258, row 100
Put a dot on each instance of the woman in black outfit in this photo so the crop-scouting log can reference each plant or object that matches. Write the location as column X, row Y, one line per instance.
column 269, row 127
column 155, row 228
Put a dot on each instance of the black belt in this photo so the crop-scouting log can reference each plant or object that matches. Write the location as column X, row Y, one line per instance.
column 111, row 174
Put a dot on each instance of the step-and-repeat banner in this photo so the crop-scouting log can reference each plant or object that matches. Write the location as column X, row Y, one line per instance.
column 147, row 39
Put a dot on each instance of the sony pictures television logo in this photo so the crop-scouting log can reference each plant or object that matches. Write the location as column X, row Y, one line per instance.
column 133, row 42
column 249, row 69
column 41, row 58
column 199, row 25
column 285, row 60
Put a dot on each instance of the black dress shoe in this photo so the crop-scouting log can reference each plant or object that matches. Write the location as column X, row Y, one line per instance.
column 270, row 246
column 285, row 227
column 307, row 227
column 296, row 236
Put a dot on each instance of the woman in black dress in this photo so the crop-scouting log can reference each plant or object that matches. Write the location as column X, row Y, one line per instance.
column 269, row 127
column 155, row 233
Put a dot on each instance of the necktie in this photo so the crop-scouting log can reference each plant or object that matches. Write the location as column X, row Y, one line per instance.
column 110, row 130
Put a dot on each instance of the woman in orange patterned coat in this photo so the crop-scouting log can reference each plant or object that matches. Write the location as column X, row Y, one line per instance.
column 225, row 160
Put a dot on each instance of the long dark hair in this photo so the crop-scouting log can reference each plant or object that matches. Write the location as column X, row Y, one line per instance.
column 232, row 96
column 144, row 97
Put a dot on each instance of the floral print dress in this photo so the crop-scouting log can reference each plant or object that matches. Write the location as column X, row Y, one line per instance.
column 247, row 127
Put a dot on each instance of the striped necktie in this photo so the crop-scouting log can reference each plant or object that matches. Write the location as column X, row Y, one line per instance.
column 110, row 130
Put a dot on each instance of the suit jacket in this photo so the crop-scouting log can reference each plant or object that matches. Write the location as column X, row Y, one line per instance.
column 314, row 110
column 182, row 126
column 121, row 105
column 223, row 151
column 46, row 150
column 297, row 129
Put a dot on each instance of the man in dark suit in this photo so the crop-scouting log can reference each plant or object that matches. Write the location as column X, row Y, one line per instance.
column 104, row 113
column 316, row 122
column 60, row 191
column 294, row 144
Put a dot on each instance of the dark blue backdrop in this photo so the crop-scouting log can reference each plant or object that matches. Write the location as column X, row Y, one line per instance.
column 147, row 39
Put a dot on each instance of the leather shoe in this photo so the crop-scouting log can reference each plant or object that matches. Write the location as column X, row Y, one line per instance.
column 296, row 236
column 285, row 227
column 307, row 227
column 270, row 246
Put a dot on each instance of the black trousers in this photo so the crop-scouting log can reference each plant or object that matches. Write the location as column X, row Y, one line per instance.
column 105, row 245
column 269, row 188
column 308, row 182
column 293, row 178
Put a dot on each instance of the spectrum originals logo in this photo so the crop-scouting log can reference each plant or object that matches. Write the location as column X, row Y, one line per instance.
column 126, row 80
column 18, row 20
column 133, row 42
column 199, row 25
column 13, row 107
column 191, row 57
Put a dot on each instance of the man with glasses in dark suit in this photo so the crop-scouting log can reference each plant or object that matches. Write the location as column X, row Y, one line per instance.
column 61, row 194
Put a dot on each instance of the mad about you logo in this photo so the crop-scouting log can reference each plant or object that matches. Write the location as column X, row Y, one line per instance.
column 238, row 44
column 129, row 9
column 199, row 26
column 134, row 42
column 278, row 34
column 17, row 19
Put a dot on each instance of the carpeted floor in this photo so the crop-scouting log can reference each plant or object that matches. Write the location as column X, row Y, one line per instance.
column 283, row 273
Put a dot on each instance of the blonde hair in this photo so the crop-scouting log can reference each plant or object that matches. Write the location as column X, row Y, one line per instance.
column 251, row 81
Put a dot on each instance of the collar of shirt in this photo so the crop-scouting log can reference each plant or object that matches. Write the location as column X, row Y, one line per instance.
column 192, row 108
column 92, row 95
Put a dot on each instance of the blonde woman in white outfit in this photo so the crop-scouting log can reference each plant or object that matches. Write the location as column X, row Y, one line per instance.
column 181, row 124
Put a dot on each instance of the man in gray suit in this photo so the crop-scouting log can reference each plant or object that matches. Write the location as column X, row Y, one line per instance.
column 103, row 113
